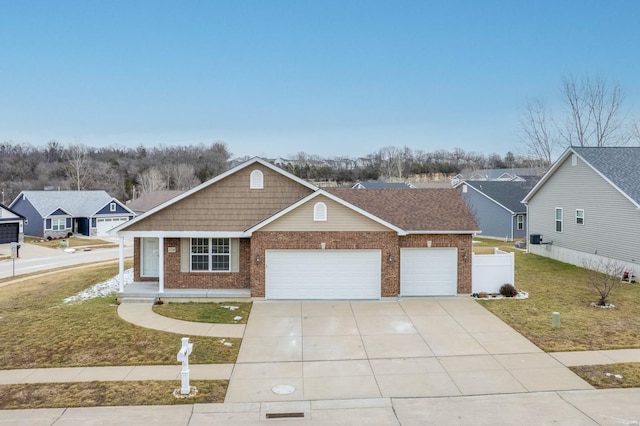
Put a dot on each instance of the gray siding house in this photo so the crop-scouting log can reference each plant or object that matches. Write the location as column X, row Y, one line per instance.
column 497, row 206
column 587, row 206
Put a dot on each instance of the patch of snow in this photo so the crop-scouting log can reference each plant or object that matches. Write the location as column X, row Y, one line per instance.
column 237, row 318
column 69, row 250
column 102, row 289
column 231, row 308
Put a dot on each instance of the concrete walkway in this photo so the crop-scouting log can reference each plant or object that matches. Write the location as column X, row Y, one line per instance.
column 142, row 314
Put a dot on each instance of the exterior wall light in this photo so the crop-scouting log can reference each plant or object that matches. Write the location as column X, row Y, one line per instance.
column 389, row 258
column 257, row 259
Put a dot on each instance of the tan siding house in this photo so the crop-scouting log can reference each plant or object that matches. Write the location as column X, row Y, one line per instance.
column 261, row 231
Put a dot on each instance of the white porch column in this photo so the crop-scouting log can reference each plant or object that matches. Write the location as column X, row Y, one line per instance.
column 161, row 264
column 121, row 286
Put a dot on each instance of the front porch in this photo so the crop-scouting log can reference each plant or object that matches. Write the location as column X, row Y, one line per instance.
column 150, row 292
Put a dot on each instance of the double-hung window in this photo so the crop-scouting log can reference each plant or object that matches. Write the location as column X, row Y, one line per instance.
column 58, row 224
column 210, row 254
column 520, row 222
column 580, row 216
column 558, row 219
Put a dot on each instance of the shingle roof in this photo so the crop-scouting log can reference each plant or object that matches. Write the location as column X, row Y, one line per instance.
column 618, row 164
column 76, row 203
column 432, row 209
column 382, row 185
column 507, row 193
column 151, row 199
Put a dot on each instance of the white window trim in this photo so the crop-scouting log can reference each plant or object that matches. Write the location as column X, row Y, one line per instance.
column 319, row 212
column 579, row 217
column 520, row 222
column 210, row 256
column 57, row 220
column 561, row 220
column 112, row 207
column 256, row 180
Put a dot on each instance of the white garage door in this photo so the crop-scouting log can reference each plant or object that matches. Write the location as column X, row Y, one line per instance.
column 105, row 224
column 323, row 274
column 428, row 271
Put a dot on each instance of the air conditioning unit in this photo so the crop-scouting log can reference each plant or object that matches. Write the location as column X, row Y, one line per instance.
column 535, row 239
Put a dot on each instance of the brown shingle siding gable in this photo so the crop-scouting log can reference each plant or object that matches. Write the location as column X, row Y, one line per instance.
column 430, row 209
column 227, row 205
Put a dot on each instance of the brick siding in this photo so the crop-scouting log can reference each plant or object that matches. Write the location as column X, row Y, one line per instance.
column 252, row 273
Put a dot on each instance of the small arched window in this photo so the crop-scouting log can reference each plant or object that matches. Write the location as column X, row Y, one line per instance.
column 256, row 180
column 320, row 212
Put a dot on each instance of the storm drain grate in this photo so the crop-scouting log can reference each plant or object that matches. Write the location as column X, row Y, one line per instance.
column 283, row 415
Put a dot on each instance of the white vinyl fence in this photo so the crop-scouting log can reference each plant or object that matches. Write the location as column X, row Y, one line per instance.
column 490, row 271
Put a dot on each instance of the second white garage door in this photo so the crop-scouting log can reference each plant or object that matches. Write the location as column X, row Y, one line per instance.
column 323, row 274
column 428, row 271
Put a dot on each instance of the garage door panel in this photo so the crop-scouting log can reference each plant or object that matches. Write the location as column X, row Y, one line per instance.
column 323, row 274
column 428, row 271
column 104, row 225
column 9, row 232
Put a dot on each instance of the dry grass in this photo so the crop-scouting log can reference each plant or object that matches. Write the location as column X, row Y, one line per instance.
column 555, row 286
column 38, row 330
column 603, row 376
column 90, row 394
column 71, row 242
column 213, row 312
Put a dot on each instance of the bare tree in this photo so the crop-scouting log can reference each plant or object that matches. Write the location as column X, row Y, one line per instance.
column 604, row 276
column 392, row 161
column 80, row 168
column 184, row 176
column 538, row 131
column 595, row 115
column 151, row 180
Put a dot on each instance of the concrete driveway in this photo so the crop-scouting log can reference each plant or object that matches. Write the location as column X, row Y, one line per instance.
column 421, row 347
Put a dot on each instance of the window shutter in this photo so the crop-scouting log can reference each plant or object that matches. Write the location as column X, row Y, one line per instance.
column 47, row 224
column 68, row 223
column 185, row 252
column 235, row 254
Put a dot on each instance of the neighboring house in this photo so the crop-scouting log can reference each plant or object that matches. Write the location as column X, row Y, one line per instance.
column 587, row 207
column 11, row 226
column 57, row 213
column 382, row 185
column 265, row 232
column 151, row 199
column 513, row 174
column 497, row 206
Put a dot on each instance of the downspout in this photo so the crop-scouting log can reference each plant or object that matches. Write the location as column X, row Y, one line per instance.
column 527, row 238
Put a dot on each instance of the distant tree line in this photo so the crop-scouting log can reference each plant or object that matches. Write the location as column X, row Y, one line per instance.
column 123, row 172
column 128, row 172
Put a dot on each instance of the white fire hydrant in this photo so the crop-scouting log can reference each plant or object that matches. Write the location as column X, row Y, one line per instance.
column 183, row 356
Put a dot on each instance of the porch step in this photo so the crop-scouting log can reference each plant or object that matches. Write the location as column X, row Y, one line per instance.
column 130, row 299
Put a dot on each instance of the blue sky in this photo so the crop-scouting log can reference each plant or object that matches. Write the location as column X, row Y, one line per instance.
column 274, row 78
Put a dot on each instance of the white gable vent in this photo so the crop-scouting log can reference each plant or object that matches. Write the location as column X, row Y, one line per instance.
column 256, row 180
column 320, row 212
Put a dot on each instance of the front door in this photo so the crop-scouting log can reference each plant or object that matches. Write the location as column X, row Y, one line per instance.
column 150, row 257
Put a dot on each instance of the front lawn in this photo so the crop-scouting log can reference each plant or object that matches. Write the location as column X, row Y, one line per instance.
column 38, row 330
column 213, row 312
column 559, row 287
column 70, row 242
column 90, row 394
